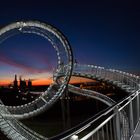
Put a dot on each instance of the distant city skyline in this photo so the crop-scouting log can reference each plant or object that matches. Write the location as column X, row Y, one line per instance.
column 41, row 82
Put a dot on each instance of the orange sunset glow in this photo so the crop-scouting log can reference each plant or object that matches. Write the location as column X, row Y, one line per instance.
column 5, row 82
column 39, row 82
column 76, row 80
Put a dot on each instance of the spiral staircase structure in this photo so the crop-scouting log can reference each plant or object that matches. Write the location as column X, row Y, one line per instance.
column 9, row 115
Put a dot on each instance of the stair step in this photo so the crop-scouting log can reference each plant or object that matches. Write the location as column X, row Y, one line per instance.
column 4, row 126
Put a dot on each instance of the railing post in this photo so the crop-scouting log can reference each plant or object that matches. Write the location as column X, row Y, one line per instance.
column 131, row 117
column 117, row 121
column 116, row 76
column 138, row 108
column 127, row 79
column 112, row 74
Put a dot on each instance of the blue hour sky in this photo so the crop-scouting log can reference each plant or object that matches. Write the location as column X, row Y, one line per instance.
column 105, row 33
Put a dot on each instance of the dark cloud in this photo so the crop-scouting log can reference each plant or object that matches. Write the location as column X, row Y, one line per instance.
column 22, row 66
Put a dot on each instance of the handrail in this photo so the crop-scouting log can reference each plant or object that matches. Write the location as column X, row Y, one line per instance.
column 84, row 125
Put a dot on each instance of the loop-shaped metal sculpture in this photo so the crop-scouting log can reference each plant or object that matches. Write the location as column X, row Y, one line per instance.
column 64, row 61
column 13, row 129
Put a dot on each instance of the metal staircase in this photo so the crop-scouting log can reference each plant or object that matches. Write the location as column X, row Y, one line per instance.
column 15, row 130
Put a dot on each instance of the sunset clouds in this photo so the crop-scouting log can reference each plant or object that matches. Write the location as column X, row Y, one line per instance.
column 32, row 58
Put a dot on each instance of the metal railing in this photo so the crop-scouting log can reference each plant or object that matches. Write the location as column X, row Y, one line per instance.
column 124, row 80
column 118, row 122
column 113, row 127
column 92, row 94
